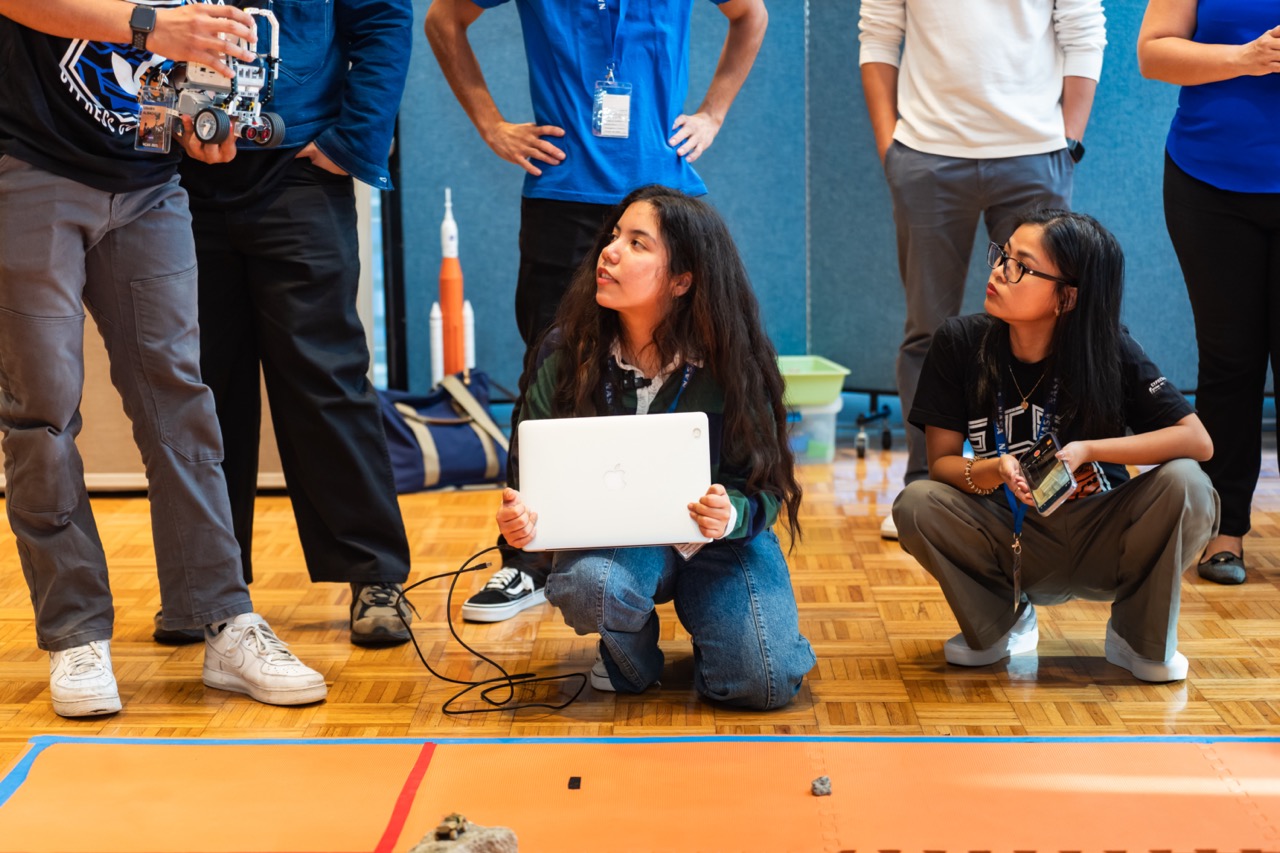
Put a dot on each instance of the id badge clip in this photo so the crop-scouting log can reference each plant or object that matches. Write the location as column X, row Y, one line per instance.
column 611, row 109
column 155, row 114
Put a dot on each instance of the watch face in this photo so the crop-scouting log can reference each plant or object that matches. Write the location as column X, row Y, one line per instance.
column 143, row 19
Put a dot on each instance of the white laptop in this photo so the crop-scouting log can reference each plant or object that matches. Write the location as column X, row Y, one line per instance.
column 614, row 481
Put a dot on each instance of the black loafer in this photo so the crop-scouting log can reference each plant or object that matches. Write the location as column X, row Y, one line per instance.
column 1223, row 567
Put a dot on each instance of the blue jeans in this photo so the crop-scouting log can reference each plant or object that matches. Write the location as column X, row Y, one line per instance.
column 734, row 597
column 129, row 257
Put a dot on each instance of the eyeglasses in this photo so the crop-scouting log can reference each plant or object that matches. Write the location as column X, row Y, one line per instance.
column 1014, row 269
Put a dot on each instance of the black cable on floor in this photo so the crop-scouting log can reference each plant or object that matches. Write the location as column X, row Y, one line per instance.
column 506, row 681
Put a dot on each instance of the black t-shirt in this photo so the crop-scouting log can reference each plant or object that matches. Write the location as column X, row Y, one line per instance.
column 945, row 396
column 70, row 107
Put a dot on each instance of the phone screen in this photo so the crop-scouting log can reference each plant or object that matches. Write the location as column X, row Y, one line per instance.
column 1050, row 480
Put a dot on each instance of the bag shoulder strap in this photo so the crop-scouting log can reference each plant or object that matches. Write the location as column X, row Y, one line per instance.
column 472, row 407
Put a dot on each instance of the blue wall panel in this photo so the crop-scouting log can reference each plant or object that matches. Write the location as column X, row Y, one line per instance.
column 810, row 210
column 755, row 172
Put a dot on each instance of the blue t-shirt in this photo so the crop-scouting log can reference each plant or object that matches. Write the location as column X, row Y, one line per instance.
column 1227, row 133
column 568, row 50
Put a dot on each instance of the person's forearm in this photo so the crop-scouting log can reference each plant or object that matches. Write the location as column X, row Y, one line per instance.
column 94, row 20
column 1183, row 62
column 880, row 88
column 741, row 45
column 1077, row 103
column 461, row 68
column 985, row 473
column 1182, row 440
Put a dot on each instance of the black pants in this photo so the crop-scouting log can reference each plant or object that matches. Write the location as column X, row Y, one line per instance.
column 278, row 282
column 555, row 237
column 1228, row 244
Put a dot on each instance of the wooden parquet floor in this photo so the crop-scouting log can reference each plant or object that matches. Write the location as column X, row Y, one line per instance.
column 876, row 620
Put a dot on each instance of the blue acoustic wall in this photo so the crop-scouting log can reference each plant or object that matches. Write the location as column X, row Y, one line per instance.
column 855, row 289
column 755, row 172
column 794, row 171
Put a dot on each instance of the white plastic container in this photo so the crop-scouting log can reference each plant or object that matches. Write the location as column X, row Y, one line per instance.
column 812, row 431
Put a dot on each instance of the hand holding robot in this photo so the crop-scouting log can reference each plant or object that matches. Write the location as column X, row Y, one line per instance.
column 218, row 107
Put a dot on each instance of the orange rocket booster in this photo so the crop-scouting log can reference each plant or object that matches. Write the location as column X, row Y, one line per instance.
column 453, row 330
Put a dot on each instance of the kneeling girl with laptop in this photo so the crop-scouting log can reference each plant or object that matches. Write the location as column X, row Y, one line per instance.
column 662, row 319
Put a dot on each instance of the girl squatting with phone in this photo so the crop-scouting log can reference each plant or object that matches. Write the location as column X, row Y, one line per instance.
column 1050, row 355
column 662, row 318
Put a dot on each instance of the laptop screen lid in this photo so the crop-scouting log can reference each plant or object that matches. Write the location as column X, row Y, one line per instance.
column 614, row 481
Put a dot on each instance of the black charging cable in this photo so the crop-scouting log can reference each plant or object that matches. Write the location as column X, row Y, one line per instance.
column 506, row 681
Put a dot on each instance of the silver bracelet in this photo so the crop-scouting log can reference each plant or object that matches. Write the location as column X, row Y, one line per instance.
column 968, row 479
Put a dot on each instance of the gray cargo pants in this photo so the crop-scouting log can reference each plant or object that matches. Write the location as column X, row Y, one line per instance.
column 1129, row 546
column 129, row 258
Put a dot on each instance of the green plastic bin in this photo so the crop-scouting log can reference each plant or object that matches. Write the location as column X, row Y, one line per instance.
column 811, row 380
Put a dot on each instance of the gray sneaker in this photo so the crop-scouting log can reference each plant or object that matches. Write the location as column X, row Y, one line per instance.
column 380, row 614
column 81, row 683
column 244, row 655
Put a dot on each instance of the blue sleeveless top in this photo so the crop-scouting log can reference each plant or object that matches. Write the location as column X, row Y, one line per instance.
column 1227, row 133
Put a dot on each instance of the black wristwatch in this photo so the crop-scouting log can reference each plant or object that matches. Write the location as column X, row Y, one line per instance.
column 142, row 22
column 1076, row 149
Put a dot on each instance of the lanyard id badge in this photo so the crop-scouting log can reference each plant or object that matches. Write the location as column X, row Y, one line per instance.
column 155, row 128
column 611, row 100
column 611, row 109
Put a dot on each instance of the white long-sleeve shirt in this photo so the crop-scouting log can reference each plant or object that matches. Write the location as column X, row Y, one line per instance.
column 983, row 78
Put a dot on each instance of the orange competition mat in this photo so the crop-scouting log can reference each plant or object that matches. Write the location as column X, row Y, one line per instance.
column 685, row 795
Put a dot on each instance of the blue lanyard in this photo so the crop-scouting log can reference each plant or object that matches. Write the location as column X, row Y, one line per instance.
column 612, row 35
column 1018, row 507
column 1002, row 447
column 611, row 394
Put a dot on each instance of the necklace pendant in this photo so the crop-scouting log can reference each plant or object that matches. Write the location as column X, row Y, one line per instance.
column 1024, row 405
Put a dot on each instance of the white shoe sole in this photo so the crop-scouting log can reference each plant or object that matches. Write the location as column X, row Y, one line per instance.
column 502, row 612
column 301, row 695
column 889, row 530
column 1144, row 669
column 957, row 652
column 96, row 706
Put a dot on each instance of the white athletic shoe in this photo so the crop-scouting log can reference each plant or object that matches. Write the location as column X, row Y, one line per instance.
column 1122, row 654
column 81, row 682
column 600, row 677
column 244, row 655
column 888, row 530
column 1024, row 636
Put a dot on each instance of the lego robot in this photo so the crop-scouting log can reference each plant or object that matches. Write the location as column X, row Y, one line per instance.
column 219, row 106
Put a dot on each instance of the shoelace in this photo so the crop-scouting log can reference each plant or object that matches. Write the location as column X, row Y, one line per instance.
column 270, row 647
column 82, row 659
column 384, row 595
column 502, row 578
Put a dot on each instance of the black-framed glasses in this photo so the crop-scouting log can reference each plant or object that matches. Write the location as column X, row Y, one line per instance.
column 1014, row 269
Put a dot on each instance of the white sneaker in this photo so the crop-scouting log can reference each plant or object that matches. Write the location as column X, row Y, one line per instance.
column 600, row 677
column 1024, row 636
column 81, row 682
column 888, row 530
column 246, row 656
column 1122, row 654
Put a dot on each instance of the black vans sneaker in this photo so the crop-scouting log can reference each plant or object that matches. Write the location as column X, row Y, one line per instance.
column 507, row 593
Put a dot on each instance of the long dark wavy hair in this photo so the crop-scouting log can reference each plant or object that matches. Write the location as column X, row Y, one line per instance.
column 1084, row 355
column 716, row 322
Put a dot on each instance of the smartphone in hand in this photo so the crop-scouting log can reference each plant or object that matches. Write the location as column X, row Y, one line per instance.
column 1048, row 477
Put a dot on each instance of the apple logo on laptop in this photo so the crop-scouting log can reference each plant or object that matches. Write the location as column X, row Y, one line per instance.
column 615, row 479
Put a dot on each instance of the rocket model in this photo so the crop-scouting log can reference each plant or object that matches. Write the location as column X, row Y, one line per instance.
column 452, row 322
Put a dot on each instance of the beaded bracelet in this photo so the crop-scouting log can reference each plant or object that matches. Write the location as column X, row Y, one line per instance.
column 968, row 479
